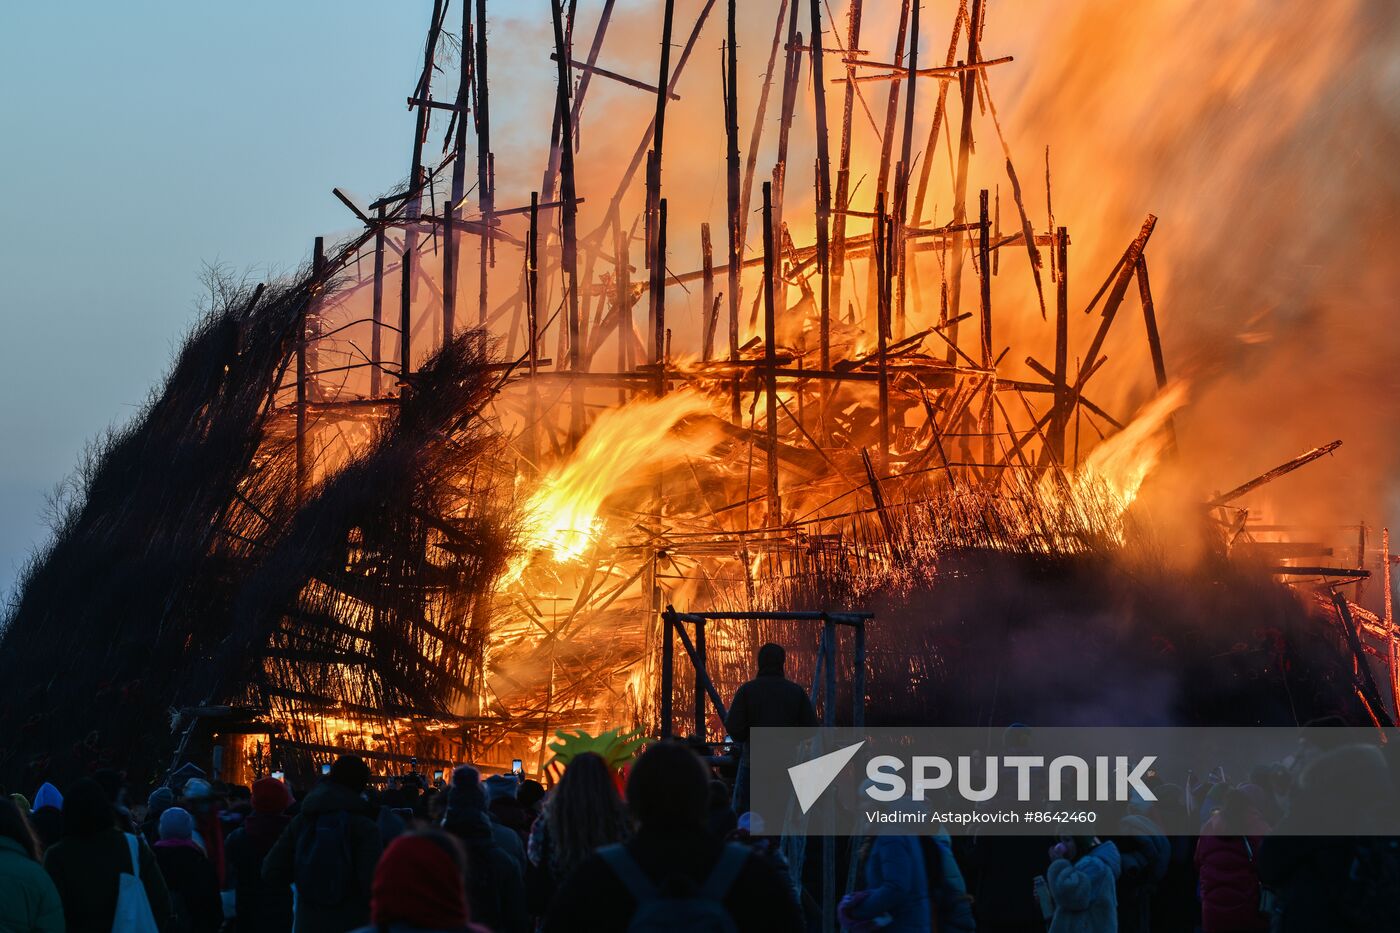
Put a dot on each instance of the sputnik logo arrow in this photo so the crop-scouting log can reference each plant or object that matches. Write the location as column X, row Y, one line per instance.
column 811, row 778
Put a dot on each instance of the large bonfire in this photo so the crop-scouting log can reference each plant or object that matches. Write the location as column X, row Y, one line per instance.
column 429, row 500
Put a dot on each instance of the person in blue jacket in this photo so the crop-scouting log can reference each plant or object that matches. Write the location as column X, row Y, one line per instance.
column 893, row 896
column 1083, row 878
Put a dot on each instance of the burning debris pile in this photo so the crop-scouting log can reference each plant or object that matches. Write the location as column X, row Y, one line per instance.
column 429, row 501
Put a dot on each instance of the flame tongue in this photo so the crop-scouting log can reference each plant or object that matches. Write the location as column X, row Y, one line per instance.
column 618, row 453
column 1121, row 463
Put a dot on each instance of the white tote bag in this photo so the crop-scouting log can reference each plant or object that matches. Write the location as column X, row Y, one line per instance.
column 133, row 909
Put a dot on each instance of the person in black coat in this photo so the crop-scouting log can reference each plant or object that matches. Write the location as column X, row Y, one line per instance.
column 770, row 699
column 189, row 876
column 667, row 793
column 328, row 904
column 259, row 906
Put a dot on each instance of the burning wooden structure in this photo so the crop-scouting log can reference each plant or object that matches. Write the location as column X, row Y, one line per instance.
column 430, row 500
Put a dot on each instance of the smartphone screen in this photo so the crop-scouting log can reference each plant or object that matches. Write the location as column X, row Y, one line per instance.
column 517, row 766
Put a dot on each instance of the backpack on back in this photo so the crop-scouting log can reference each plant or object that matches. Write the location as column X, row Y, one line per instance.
column 703, row 912
column 323, row 863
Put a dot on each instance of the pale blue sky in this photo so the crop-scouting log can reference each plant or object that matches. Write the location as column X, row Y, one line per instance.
column 141, row 139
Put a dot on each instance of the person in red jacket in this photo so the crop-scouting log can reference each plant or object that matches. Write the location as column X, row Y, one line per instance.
column 1227, row 859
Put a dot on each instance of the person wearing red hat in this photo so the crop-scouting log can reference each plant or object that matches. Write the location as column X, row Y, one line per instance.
column 259, row 905
column 419, row 887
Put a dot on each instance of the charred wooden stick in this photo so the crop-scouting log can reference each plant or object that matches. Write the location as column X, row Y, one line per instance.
column 1367, row 682
column 1282, row 469
column 947, row 72
column 613, row 75
column 843, row 172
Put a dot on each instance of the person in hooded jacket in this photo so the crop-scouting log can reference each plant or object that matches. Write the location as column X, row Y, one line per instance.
column 1146, row 854
column 770, row 699
column 46, row 815
column 259, row 905
column 667, row 793
column 418, row 887
column 1316, row 877
column 198, row 800
column 159, row 800
column 1083, row 879
column 1227, row 860
column 29, row 902
column 892, row 887
column 329, row 850
column 495, row 884
column 86, row 863
column 194, row 889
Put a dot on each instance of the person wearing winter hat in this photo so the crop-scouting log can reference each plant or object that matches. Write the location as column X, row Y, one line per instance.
column 93, row 853
column 495, row 885
column 194, row 889
column 29, row 901
column 504, row 808
column 197, row 797
column 418, row 887
column 258, row 904
column 332, row 892
column 46, row 815
column 160, row 800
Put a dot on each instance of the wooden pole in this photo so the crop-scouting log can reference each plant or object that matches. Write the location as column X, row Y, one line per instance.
column 450, row 245
column 485, row 176
column 532, row 316
column 770, row 354
column 736, row 233
column 791, row 69
column 968, row 82
column 882, row 317
column 406, row 317
column 668, row 649
column 569, row 221
column 823, row 186
column 659, row 300
column 1126, row 268
column 882, row 182
column 843, row 172
column 318, row 259
column 757, row 135
column 656, row 259
column 700, row 680
column 376, row 330
column 623, row 298
column 901, row 181
column 707, row 294
column 1061, row 404
column 1393, row 654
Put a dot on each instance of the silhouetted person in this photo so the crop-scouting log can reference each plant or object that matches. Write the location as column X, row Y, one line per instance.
column 329, row 850
column 672, row 870
column 770, row 699
column 86, row 863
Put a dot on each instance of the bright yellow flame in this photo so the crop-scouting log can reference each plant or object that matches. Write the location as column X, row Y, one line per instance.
column 1122, row 462
column 616, row 453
